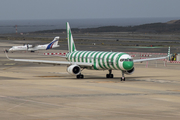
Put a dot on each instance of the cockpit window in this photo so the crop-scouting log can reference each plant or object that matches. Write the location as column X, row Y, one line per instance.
column 130, row 59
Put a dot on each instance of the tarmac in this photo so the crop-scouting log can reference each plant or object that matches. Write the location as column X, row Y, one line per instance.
column 30, row 91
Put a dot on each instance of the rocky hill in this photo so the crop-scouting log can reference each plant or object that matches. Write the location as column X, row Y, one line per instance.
column 172, row 26
column 174, row 22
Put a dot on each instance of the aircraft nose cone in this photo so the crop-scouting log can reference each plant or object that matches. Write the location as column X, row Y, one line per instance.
column 128, row 65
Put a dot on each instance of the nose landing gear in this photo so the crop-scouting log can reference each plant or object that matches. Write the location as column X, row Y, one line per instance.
column 122, row 78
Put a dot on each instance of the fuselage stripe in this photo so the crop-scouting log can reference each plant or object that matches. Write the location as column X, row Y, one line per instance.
column 104, row 60
column 86, row 57
column 99, row 59
column 74, row 56
column 90, row 57
column 95, row 62
column 108, row 61
column 112, row 58
column 79, row 56
column 82, row 56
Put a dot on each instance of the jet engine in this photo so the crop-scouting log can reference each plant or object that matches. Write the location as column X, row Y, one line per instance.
column 74, row 70
column 129, row 71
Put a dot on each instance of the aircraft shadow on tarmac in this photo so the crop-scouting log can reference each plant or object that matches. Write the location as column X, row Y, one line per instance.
column 95, row 77
column 9, row 78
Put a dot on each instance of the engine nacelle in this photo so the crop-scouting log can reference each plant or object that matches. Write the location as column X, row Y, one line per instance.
column 74, row 70
column 129, row 71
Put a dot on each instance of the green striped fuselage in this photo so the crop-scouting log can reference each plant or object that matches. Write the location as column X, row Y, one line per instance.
column 102, row 60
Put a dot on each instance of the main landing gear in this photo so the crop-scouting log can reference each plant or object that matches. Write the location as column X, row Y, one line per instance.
column 80, row 76
column 123, row 78
column 109, row 75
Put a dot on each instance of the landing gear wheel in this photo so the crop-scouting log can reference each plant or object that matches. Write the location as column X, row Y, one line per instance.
column 123, row 79
column 80, row 76
column 109, row 75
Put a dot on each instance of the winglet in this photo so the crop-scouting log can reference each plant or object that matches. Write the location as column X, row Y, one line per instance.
column 169, row 53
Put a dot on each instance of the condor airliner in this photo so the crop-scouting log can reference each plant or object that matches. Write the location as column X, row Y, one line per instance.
column 94, row 60
column 27, row 47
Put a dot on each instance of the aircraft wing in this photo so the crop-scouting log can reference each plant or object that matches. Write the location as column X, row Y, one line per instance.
column 149, row 59
column 81, row 64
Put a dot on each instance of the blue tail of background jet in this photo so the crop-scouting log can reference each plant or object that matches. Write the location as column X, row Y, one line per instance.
column 54, row 43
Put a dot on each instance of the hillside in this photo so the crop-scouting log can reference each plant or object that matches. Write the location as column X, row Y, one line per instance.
column 168, row 27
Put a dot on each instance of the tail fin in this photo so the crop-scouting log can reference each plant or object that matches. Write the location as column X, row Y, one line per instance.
column 56, row 40
column 53, row 43
column 71, row 45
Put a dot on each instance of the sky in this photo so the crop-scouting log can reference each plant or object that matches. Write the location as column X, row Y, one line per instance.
column 87, row 9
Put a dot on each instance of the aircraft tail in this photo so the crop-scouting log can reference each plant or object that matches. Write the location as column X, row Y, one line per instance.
column 71, row 45
column 53, row 43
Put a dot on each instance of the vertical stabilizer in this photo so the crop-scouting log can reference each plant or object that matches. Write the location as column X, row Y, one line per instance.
column 56, row 39
column 71, row 45
column 53, row 43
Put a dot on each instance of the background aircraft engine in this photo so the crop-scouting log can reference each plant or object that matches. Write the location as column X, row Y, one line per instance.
column 129, row 71
column 74, row 70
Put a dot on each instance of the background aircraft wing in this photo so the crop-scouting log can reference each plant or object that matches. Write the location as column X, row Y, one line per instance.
column 149, row 59
column 81, row 64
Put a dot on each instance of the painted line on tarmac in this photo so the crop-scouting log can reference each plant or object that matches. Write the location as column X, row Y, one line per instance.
column 10, row 64
column 15, row 106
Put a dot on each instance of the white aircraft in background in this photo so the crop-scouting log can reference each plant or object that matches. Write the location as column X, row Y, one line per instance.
column 93, row 60
column 32, row 48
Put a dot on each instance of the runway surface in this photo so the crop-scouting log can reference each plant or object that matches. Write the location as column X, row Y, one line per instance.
column 30, row 91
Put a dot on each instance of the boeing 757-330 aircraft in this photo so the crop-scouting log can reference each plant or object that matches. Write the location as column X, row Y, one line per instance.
column 27, row 47
column 93, row 60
